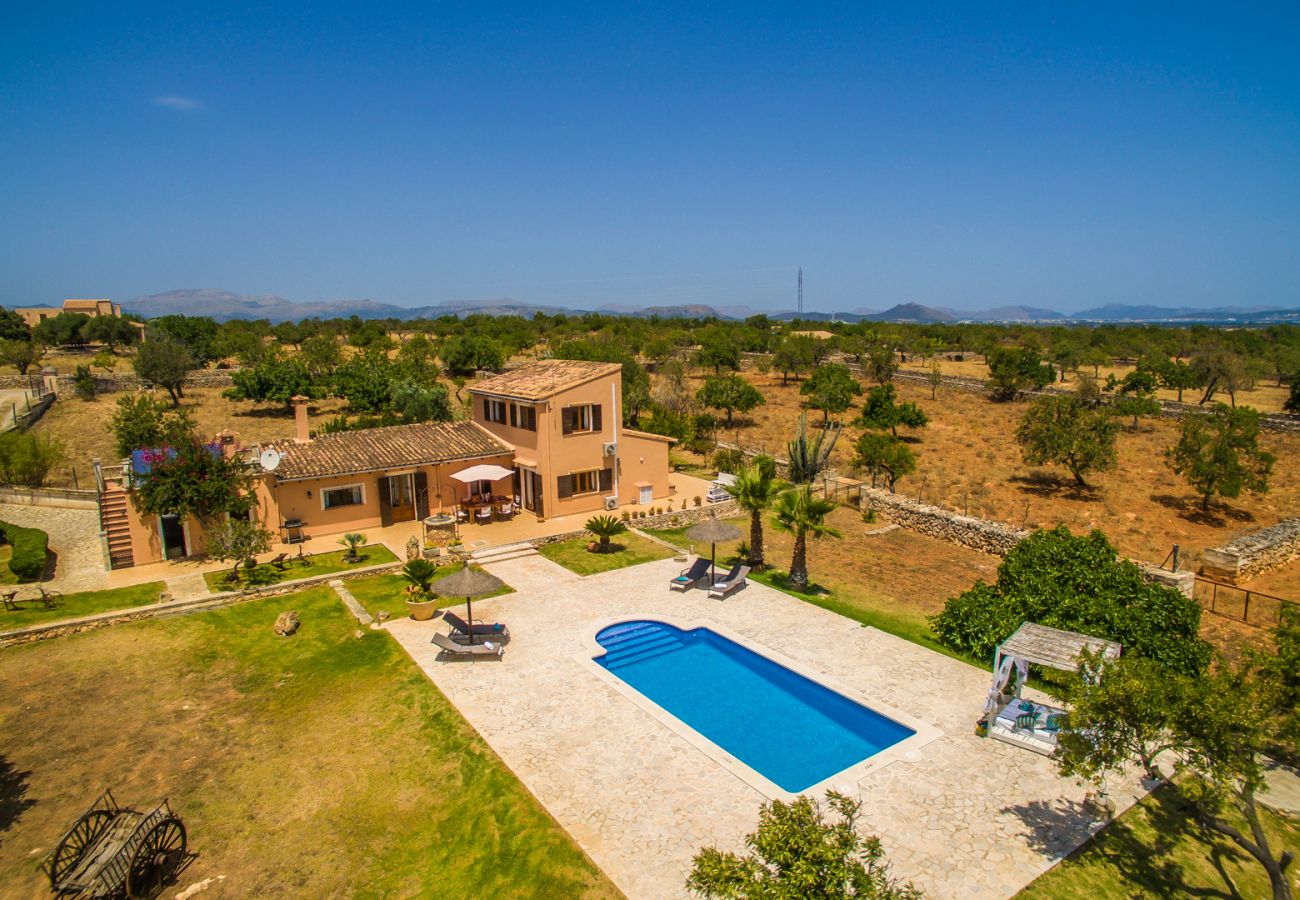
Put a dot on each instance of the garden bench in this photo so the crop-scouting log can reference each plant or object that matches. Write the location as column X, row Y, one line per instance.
column 47, row 599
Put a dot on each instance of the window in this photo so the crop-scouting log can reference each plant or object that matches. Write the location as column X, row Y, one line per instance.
column 347, row 495
column 494, row 410
column 580, row 419
column 524, row 417
column 587, row 482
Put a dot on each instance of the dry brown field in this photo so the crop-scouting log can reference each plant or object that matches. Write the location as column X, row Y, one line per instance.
column 1266, row 396
column 968, row 460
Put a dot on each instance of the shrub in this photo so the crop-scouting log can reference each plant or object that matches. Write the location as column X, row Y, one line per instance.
column 730, row 461
column 1078, row 583
column 84, row 383
column 31, row 547
column 27, row 458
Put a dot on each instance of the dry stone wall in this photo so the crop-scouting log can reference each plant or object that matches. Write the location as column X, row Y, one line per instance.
column 978, row 534
column 1254, row 553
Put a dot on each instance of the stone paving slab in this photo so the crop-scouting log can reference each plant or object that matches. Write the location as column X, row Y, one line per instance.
column 968, row 817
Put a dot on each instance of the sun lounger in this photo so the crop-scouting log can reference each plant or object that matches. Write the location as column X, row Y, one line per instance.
column 690, row 577
column 487, row 649
column 459, row 626
column 734, row 579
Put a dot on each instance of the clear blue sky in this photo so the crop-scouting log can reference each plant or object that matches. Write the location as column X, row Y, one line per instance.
column 968, row 156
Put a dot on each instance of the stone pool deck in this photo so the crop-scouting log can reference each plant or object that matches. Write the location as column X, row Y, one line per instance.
column 963, row 817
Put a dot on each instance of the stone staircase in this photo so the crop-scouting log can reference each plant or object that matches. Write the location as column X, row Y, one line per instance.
column 489, row 555
column 113, row 522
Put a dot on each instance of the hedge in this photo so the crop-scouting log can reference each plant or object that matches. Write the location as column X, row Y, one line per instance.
column 31, row 546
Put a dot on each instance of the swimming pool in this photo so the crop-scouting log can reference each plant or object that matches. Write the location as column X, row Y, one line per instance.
column 785, row 726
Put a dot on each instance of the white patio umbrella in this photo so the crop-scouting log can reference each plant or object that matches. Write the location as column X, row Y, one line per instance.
column 482, row 472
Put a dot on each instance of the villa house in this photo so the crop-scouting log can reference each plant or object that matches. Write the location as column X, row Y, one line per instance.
column 34, row 315
column 550, row 435
column 572, row 453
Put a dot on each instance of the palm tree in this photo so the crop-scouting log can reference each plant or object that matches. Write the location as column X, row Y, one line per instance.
column 754, row 490
column 799, row 513
column 354, row 542
column 605, row 527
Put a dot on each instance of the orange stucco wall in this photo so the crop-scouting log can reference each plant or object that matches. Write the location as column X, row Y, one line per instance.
column 557, row 454
column 277, row 502
column 642, row 459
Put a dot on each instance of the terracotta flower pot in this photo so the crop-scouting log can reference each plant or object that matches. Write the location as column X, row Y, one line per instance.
column 422, row 610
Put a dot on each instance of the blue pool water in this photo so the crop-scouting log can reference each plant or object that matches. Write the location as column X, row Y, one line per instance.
column 792, row 730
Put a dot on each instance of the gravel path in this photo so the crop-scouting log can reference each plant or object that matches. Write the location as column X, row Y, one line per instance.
column 74, row 537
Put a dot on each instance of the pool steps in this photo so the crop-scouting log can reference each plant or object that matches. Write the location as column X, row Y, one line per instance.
column 639, row 643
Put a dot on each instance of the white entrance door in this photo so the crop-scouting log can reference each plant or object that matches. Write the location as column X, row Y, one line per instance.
column 647, row 495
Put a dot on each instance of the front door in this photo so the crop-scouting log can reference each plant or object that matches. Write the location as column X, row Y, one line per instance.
column 173, row 537
column 530, row 491
column 401, row 498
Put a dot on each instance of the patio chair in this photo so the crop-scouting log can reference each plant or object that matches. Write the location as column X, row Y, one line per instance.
column 506, row 509
column 734, row 579
column 483, row 515
column 691, row 576
column 462, row 514
column 488, row 649
column 462, row 628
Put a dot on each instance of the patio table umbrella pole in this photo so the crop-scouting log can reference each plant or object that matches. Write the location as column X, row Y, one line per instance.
column 470, row 583
column 715, row 532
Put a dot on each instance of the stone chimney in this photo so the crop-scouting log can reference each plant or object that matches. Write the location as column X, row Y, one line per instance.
column 302, row 425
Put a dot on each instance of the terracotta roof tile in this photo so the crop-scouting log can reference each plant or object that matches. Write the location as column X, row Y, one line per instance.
column 544, row 378
column 374, row 449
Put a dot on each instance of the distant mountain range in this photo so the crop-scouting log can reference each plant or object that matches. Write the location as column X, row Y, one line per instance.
column 224, row 305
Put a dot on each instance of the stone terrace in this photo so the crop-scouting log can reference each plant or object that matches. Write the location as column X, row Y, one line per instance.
column 967, row 817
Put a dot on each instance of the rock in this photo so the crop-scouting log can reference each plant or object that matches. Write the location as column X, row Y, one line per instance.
column 165, row 597
column 287, row 623
column 412, row 548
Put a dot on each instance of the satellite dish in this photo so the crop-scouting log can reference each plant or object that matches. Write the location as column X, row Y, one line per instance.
column 270, row 459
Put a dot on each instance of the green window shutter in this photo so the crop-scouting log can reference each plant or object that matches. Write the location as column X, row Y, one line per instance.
column 564, row 485
column 606, row 479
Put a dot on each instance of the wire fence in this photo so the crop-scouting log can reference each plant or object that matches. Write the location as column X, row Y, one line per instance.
column 1251, row 607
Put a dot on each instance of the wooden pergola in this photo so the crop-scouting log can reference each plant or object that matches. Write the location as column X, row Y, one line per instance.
column 1024, row 723
column 1044, row 646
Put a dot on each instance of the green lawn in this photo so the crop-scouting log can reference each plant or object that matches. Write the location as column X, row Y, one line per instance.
column 6, row 574
column 316, row 564
column 1154, row 850
column 384, row 592
column 82, row 603
column 632, row 550
column 319, row 765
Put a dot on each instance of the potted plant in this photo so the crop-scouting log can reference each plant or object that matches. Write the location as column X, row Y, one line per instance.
column 354, row 542
column 421, row 601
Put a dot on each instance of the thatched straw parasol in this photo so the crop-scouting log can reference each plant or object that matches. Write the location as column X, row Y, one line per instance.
column 714, row 531
column 469, row 583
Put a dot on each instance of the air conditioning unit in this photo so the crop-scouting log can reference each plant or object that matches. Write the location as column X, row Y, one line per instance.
column 611, row 503
column 609, row 448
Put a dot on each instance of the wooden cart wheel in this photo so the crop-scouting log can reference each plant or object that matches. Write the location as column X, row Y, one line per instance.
column 79, row 838
column 156, row 859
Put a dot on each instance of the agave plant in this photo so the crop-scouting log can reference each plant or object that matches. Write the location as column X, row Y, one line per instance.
column 809, row 458
column 419, row 574
column 605, row 527
column 354, row 542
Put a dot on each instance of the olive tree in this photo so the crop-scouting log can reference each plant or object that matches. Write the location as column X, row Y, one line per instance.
column 1219, row 454
column 1065, row 431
